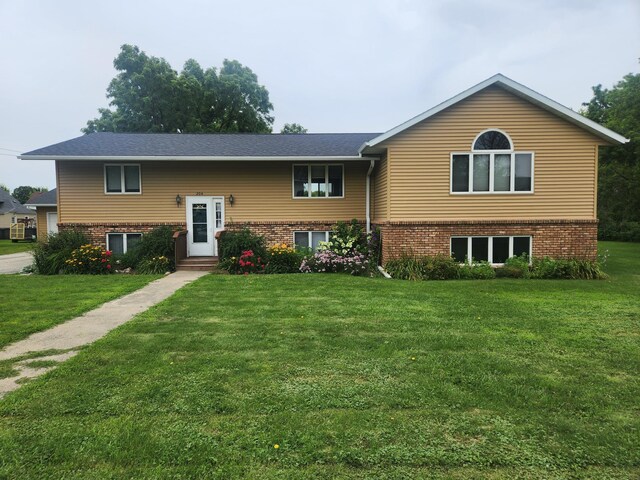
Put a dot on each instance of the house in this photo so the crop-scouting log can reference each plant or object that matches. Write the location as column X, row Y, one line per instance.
column 495, row 171
column 46, row 206
column 12, row 211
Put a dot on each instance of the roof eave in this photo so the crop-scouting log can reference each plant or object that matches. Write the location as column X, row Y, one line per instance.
column 137, row 158
column 516, row 88
column 36, row 205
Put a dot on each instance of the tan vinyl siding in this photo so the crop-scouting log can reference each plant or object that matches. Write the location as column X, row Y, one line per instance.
column 261, row 191
column 564, row 167
column 41, row 219
column 380, row 192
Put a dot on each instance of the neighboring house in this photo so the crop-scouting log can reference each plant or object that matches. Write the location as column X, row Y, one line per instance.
column 496, row 171
column 11, row 210
column 46, row 205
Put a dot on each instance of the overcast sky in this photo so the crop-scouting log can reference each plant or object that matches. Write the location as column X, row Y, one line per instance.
column 333, row 66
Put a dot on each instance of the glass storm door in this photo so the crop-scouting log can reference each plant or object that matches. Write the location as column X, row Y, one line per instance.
column 205, row 217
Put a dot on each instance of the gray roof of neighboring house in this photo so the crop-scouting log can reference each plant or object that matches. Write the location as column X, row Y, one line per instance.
column 45, row 198
column 106, row 144
column 8, row 204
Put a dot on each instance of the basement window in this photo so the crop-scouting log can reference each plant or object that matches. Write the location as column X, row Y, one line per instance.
column 309, row 239
column 495, row 250
column 119, row 243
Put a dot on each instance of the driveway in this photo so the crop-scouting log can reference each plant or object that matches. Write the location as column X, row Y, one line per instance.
column 15, row 262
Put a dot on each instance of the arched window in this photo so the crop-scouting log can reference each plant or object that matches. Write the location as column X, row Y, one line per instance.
column 492, row 140
column 492, row 166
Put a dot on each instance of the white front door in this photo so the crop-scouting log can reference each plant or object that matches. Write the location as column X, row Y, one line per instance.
column 52, row 222
column 205, row 216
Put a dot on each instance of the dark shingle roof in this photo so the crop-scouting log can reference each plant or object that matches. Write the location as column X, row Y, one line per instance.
column 8, row 204
column 44, row 198
column 215, row 145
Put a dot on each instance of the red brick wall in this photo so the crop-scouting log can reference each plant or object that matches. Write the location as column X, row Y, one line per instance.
column 282, row 232
column 274, row 232
column 554, row 238
column 97, row 232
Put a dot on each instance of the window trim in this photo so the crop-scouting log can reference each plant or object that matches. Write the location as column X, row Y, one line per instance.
column 327, row 234
column 490, row 246
column 326, row 176
column 124, row 239
column 122, row 181
column 492, row 154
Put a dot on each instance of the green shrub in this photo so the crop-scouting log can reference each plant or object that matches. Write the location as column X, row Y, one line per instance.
column 157, row 243
column 347, row 238
column 158, row 264
column 571, row 269
column 408, row 267
column 232, row 244
column 515, row 267
column 89, row 259
column 49, row 258
column 477, row 271
column 282, row 258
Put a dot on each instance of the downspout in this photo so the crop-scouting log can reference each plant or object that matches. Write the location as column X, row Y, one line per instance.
column 368, row 195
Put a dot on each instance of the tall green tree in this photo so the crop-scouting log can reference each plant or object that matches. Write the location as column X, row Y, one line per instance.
column 619, row 166
column 293, row 128
column 147, row 95
column 23, row 192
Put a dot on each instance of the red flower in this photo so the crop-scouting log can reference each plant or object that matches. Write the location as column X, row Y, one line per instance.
column 109, row 267
column 104, row 260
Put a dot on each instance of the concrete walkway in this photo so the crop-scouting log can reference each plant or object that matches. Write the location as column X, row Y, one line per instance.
column 15, row 262
column 91, row 326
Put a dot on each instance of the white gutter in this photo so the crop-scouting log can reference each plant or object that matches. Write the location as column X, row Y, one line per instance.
column 368, row 196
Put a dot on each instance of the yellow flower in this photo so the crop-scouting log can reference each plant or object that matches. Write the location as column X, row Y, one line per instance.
column 276, row 446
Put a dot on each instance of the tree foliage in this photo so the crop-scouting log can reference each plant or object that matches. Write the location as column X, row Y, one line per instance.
column 24, row 192
column 147, row 95
column 293, row 128
column 619, row 166
column 4, row 187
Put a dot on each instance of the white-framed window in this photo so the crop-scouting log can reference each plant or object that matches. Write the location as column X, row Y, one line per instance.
column 495, row 250
column 122, row 179
column 309, row 239
column 318, row 181
column 492, row 166
column 119, row 243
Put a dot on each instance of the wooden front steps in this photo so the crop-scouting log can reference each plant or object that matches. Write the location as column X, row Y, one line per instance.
column 203, row 264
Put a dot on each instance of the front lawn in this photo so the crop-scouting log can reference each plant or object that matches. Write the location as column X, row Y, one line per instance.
column 348, row 377
column 32, row 303
column 7, row 247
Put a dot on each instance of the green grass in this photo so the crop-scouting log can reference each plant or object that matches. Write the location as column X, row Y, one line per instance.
column 352, row 378
column 32, row 303
column 7, row 247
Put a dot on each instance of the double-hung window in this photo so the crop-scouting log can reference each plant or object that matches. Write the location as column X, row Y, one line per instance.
column 492, row 166
column 119, row 243
column 495, row 250
column 309, row 239
column 122, row 179
column 318, row 181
